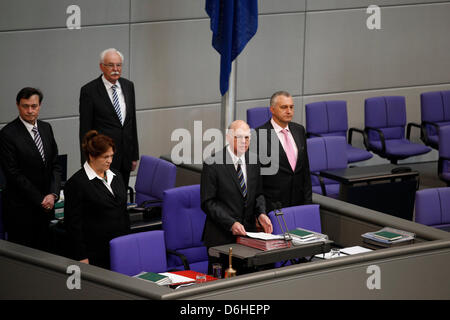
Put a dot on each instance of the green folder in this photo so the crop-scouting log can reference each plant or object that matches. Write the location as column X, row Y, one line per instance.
column 301, row 233
column 391, row 236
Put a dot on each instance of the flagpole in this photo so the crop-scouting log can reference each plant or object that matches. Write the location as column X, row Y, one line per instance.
column 228, row 105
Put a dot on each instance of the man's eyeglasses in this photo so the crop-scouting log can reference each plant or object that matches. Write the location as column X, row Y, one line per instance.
column 112, row 65
column 238, row 137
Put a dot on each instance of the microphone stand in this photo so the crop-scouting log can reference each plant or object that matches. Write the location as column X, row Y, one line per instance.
column 278, row 213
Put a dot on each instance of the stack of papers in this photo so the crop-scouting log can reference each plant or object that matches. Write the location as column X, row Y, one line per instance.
column 303, row 236
column 343, row 252
column 263, row 241
column 159, row 279
column 388, row 237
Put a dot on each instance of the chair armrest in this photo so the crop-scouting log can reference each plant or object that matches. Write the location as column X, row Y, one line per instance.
column 310, row 134
column 146, row 202
column 131, row 191
column 322, row 183
column 181, row 256
column 424, row 129
column 382, row 139
column 350, row 134
column 408, row 128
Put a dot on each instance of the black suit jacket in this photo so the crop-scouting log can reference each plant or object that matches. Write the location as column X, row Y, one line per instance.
column 290, row 188
column 223, row 202
column 92, row 215
column 97, row 113
column 28, row 178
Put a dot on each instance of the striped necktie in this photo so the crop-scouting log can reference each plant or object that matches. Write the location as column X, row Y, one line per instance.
column 38, row 142
column 241, row 179
column 116, row 103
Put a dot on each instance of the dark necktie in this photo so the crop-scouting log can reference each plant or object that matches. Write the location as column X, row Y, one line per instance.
column 241, row 179
column 38, row 142
column 116, row 103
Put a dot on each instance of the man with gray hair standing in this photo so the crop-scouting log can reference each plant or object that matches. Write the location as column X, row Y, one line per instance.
column 107, row 104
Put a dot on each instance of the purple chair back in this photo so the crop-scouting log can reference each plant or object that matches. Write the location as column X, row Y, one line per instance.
column 327, row 118
column 183, row 221
column 387, row 114
column 256, row 117
column 435, row 107
column 444, row 154
column 433, row 207
column 138, row 252
column 326, row 153
column 306, row 216
column 153, row 178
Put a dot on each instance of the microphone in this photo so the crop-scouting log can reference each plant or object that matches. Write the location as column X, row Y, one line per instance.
column 278, row 213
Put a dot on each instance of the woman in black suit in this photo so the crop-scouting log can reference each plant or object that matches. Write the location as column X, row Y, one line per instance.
column 95, row 202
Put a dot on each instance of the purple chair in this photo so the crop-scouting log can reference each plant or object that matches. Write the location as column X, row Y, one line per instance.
column 444, row 154
column 138, row 252
column 385, row 120
column 329, row 118
column 153, row 178
column 433, row 207
column 183, row 221
column 256, row 117
column 326, row 153
column 435, row 112
column 306, row 216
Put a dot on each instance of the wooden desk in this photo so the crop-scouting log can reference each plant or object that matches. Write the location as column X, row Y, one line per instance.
column 378, row 188
column 251, row 257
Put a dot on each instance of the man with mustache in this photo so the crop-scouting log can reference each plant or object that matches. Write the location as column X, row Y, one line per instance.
column 107, row 104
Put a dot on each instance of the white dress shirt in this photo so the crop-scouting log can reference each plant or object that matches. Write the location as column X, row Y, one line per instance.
column 281, row 137
column 235, row 162
column 92, row 175
column 108, row 86
column 29, row 127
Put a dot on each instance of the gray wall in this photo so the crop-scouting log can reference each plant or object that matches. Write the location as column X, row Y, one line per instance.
column 316, row 49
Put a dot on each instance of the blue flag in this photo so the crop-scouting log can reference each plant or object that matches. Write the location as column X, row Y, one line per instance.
column 233, row 24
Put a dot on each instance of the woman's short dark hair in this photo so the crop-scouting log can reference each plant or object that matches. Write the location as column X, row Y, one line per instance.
column 95, row 144
column 27, row 92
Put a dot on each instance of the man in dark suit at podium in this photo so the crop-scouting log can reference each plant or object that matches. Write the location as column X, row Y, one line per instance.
column 29, row 159
column 231, row 191
column 107, row 105
column 291, row 184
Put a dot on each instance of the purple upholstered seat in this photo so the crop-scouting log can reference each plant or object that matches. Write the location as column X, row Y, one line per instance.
column 138, row 252
column 326, row 153
column 183, row 221
column 306, row 217
column 435, row 112
column 444, row 154
column 385, row 120
column 256, row 117
column 433, row 207
column 329, row 118
column 154, row 176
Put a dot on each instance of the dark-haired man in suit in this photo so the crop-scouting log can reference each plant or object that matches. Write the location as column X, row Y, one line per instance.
column 291, row 184
column 231, row 191
column 29, row 154
column 107, row 105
